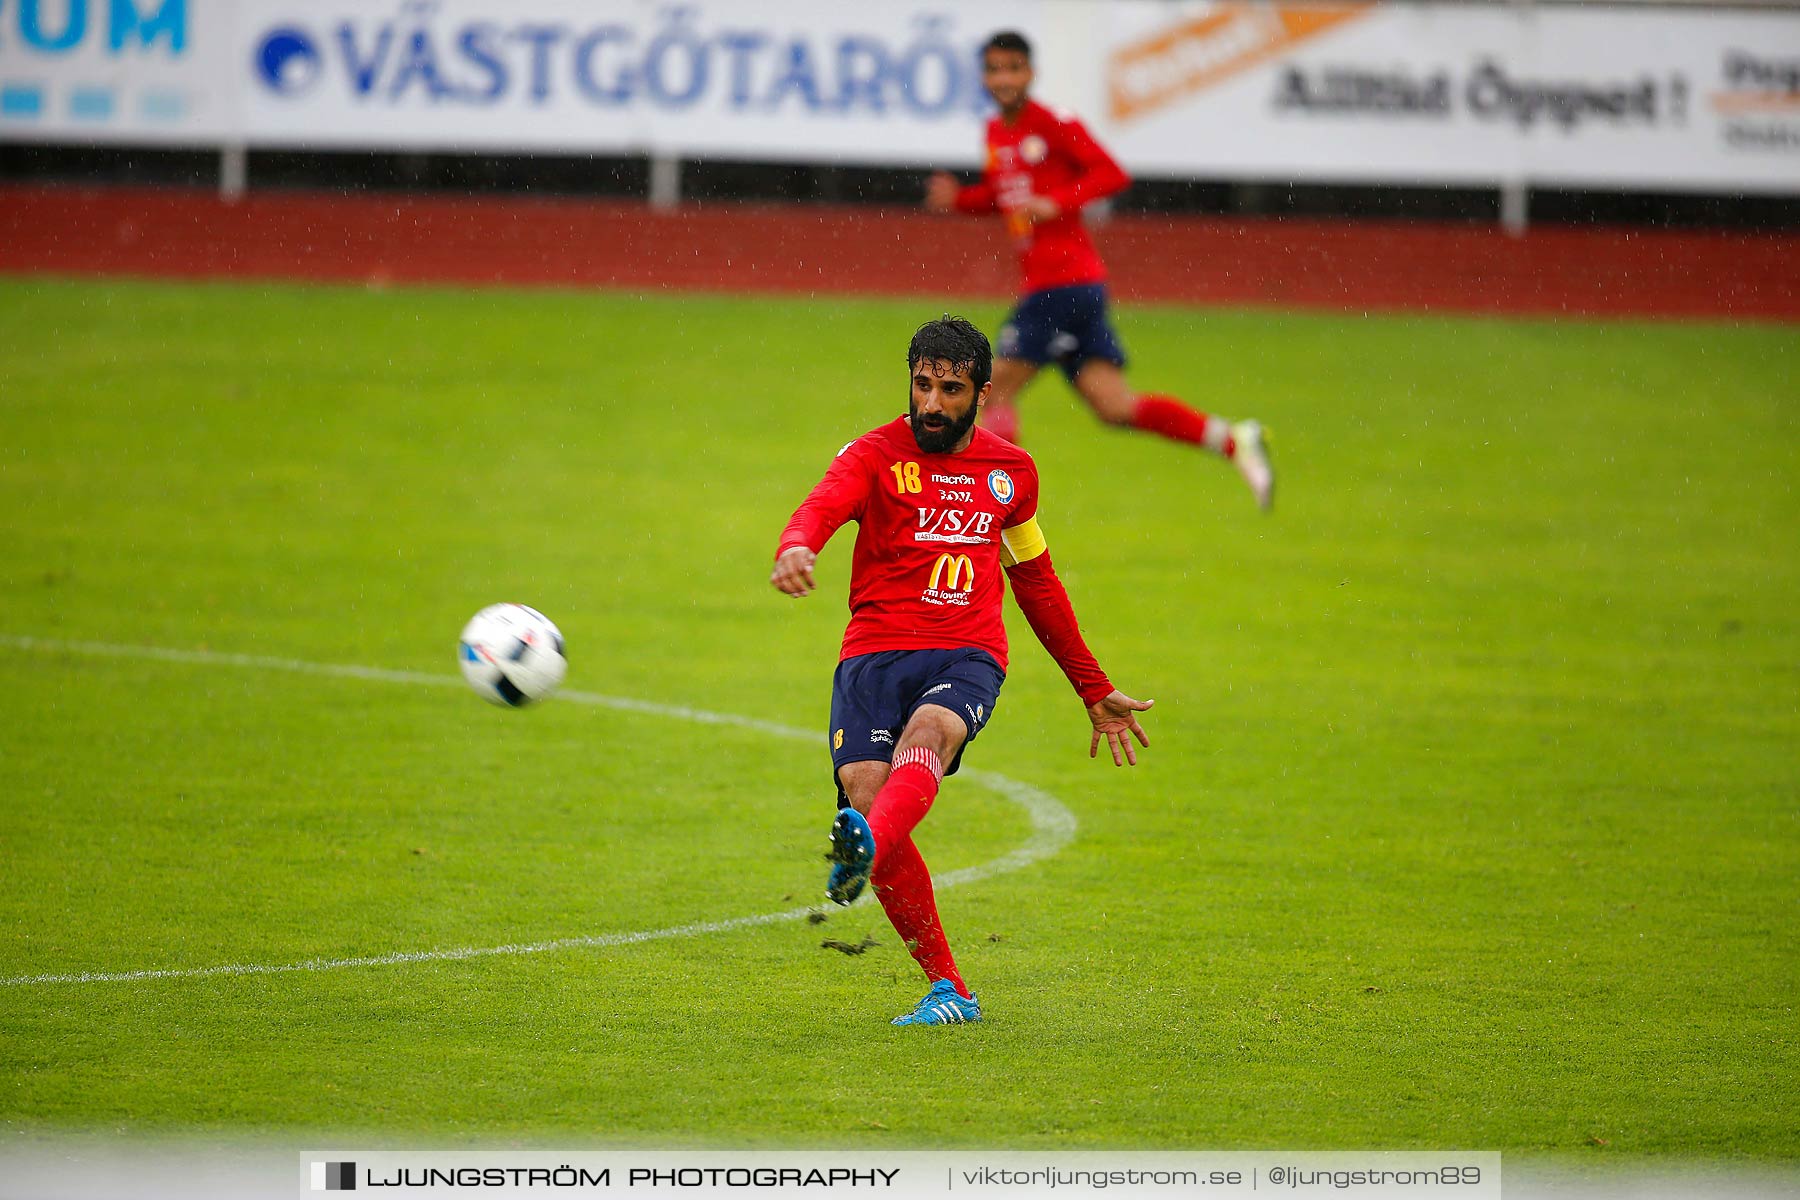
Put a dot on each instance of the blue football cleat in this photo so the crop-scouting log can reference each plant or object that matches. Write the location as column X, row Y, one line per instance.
column 852, row 856
column 942, row 1005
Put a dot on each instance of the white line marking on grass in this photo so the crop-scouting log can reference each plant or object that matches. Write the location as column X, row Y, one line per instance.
column 1052, row 824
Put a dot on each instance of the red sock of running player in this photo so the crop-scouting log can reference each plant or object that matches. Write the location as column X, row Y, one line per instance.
column 1001, row 420
column 1168, row 417
column 903, row 885
column 905, row 798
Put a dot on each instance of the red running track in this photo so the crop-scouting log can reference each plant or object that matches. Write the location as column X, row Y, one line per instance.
column 1307, row 264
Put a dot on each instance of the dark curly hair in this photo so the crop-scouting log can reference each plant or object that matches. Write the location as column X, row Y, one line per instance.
column 957, row 342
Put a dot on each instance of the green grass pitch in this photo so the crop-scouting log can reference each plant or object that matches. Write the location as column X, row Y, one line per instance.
column 1470, row 817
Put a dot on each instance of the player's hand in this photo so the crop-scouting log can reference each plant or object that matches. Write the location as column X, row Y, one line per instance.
column 1042, row 208
column 1115, row 718
column 794, row 571
column 940, row 192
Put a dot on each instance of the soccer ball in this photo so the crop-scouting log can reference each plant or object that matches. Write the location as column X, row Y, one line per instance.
column 512, row 655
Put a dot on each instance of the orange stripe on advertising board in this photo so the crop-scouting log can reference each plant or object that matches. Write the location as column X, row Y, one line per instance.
column 1183, row 59
column 1741, row 103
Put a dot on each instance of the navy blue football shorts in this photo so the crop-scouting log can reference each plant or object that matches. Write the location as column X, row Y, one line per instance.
column 1065, row 325
column 874, row 695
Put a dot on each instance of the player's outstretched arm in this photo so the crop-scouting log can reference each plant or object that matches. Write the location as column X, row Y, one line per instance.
column 839, row 497
column 794, row 571
column 944, row 194
column 1046, row 606
column 1115, row 718
column 940, row 192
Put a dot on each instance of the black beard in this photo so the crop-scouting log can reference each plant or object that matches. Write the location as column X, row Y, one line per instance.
column 940, row 441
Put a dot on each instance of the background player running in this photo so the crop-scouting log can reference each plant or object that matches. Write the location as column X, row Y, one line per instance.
column 941, row 506
column 1042, row 166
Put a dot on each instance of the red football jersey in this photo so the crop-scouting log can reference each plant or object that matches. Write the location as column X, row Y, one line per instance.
column 1045, row 153
column 928, row 569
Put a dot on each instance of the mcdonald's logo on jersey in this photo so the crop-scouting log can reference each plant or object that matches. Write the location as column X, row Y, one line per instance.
column 952, row 573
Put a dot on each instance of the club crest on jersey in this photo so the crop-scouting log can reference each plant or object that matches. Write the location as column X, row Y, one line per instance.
column 1001, row 484
column 1033, row 149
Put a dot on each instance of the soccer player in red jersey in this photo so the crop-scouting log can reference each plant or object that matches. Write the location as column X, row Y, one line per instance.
column 1042, row 167
column 942, row 507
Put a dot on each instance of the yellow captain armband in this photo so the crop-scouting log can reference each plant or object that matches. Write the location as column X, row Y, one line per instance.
column 1021, row 543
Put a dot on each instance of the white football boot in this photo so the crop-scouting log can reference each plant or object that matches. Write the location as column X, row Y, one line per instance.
column 1251, row 457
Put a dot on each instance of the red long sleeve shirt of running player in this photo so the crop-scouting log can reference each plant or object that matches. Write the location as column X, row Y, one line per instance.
column 1046, row 153
column 933, row 534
